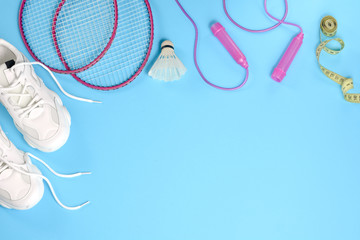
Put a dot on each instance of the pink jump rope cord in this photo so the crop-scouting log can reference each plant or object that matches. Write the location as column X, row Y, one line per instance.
column 280, row 71
column 282, row 21
column 195, row 56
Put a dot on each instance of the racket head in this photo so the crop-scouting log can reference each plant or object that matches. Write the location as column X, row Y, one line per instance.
column 81, row 38
column 129, row 52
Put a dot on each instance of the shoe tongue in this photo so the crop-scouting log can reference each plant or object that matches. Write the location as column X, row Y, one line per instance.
column 6, row 76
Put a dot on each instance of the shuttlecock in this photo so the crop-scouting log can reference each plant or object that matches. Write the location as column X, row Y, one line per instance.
column 168, row 66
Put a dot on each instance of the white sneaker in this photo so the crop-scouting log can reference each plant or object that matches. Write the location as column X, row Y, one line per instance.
column 17, row 190
column 38, row 112
column 21, row 182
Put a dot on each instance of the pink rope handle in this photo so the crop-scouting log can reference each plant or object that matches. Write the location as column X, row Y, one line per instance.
column 195, row 56
column 280, row 21
column 280, row 70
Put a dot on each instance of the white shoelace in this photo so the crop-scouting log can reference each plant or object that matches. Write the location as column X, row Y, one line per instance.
column 36, row 99
column 4, row 164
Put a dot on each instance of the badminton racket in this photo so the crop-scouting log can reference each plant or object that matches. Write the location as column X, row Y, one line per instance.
column 129, row 51
column 68, row 36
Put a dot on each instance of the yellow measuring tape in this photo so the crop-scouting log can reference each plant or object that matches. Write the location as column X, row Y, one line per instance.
column 328, row 27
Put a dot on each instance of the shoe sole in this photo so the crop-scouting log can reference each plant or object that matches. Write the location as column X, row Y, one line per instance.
column 8, row 206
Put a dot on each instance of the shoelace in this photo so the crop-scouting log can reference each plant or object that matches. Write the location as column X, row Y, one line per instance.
column 36, row 101
column 4, row 164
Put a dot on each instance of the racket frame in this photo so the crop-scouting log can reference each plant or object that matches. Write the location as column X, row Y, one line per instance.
column 123, row 84
column 53, row 33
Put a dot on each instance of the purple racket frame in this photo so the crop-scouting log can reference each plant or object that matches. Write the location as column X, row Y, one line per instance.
column 53, row 33
column 72, row 72
column 141, row 67
column 68, row 70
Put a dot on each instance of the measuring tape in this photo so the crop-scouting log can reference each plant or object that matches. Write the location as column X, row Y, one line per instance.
column 328, row 27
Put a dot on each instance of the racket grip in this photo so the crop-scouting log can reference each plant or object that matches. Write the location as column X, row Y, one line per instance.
column 219, row 31
column 280, row 71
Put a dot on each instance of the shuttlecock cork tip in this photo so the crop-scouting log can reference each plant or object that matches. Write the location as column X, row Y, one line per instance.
column 167, row 43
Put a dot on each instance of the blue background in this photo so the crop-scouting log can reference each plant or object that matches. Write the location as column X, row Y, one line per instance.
column 184, row 161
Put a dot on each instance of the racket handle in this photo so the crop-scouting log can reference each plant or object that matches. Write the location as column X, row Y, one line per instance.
column 219, row 31
column 280, row 71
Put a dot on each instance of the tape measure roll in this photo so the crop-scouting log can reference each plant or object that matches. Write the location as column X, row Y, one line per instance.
column 328, row 27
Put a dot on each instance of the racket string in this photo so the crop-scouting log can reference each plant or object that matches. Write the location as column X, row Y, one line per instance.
column 117, row 67
column 37, row 17
column 134, row 27
column 124, row 27
column 130, row 34
column 127, row 54
column 72, row 20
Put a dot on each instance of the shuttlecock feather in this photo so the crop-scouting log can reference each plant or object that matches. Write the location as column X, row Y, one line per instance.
column 168, row 66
